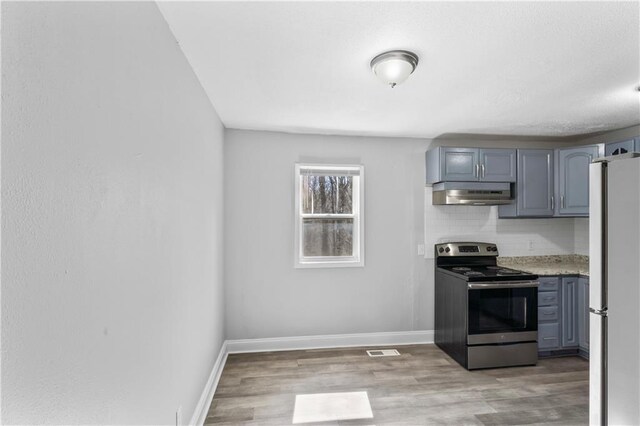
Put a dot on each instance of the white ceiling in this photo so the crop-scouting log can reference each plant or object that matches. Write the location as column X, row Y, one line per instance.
column 535, row 68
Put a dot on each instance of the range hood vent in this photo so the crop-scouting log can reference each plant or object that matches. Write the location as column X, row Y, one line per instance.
column 472, row 193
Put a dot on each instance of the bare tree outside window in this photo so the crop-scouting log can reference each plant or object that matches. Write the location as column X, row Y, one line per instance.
column 328, row 209
column 327, row 196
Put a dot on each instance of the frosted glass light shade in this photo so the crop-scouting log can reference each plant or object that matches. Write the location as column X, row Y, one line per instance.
column 395, row 66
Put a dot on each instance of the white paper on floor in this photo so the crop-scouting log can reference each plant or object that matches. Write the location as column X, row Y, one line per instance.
column 323, row 407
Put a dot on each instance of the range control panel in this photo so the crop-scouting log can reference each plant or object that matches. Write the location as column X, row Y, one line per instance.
column 466, row 249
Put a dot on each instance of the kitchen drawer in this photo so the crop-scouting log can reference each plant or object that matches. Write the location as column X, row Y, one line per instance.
column 547, row 298
column 548, row 284
column 548, row 336
column 548, row 313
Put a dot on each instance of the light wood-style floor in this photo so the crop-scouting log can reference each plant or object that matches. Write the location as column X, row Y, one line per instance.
column 423, row 386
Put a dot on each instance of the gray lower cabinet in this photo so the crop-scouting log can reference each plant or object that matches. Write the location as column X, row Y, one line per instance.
column 573, row 180
column 620, row 147
column 548, row 314
column 563, row 315
column 569, row 312
column 583, row 314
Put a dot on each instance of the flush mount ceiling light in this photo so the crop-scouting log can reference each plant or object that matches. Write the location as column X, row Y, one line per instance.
column 395, row 66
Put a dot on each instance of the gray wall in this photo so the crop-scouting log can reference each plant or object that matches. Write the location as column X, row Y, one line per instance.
column 267, row 297
column 112, row 295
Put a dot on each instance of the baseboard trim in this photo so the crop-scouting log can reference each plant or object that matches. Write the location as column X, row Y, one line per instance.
column 202, row 408
column 298, row 343
column 329, row 341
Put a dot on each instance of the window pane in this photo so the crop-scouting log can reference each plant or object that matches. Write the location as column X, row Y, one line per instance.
column 328, row 237
column 326, row 194
column 306, row 193
column 345, row 194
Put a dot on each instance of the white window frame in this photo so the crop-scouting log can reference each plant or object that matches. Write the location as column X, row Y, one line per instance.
column 357, row 260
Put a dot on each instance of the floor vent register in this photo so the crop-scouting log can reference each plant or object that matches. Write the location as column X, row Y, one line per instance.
column 383, row 352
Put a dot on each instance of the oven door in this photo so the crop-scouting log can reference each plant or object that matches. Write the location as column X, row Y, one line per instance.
column 502, row 312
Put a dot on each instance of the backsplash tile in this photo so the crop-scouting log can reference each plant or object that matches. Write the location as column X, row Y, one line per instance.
column 514, row 237
column 581, row 239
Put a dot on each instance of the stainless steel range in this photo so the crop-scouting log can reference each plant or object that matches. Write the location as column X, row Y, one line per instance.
column 486, row 315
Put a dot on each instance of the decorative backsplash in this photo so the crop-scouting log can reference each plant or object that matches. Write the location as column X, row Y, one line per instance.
column 514, row 237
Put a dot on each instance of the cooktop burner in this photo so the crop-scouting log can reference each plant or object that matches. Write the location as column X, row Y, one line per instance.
column 487, row 272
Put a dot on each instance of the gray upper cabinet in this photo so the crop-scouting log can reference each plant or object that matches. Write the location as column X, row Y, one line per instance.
column 459, row 164
column 569, row 311
column 447, row 164
column 573, row 180
column 498, row 165
column 620, row 147
column 535, row 183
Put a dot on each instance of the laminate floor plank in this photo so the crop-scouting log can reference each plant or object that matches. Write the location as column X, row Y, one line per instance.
column 422, row 386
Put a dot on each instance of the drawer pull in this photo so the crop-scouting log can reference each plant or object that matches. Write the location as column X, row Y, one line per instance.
column 548, row 313
column 549, row 338
column 549, row 298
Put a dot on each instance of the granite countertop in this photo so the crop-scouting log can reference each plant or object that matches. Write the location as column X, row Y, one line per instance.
column 570, row 264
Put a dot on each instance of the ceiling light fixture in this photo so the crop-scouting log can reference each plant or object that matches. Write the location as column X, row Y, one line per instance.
column 395, row 66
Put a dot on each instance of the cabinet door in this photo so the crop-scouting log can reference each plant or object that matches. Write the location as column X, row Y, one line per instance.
column 548, row 336
column 535, row 182
column 621, row 147
column 498, row 165
column 573, row 179
column 569, row 312
column 583, row 313
column 459, row 164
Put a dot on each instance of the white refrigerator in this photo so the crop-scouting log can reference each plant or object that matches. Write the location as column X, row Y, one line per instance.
column 614, row 290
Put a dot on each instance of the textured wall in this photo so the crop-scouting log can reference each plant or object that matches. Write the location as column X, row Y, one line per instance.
column 112, row 218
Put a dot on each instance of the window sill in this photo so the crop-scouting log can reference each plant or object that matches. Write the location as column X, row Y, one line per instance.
column 354, row 263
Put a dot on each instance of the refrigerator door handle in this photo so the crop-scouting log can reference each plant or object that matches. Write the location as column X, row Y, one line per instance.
column 601, row 312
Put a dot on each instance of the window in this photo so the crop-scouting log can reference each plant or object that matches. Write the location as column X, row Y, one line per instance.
column 329, row 220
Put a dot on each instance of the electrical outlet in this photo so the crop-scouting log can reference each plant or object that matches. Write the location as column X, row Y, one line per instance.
column 179, row 416
column 421, row 249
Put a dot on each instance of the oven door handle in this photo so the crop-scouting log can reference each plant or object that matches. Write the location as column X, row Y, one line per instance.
column 503, row 284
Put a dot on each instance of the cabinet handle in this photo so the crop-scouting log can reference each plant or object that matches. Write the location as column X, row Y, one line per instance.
column 549, row 338
column 483, row 170
column 562, row 201
column 477, row 170
column 553, row 203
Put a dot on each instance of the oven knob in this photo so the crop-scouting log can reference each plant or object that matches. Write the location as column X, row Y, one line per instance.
column 447, row 249
column 488, row 248
column 440, row 249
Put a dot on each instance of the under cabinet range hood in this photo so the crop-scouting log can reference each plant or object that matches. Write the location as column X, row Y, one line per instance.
column 472, row 193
